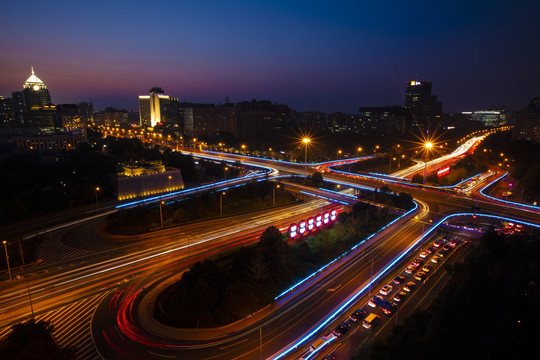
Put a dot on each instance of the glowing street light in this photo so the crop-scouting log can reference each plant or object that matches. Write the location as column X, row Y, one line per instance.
column 96, row 192
column 226, row 168
column 274, row 195
column 428, row 145
column 306, row 141
column 161, row 212
column 221, row 203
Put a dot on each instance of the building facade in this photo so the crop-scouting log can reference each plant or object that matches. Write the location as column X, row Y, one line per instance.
column 423, row 105
column 527, row 124
column 158, row 108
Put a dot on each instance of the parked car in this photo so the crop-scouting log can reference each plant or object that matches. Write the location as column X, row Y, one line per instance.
column 420, row 276
column 386, row 289
column 341, row 329
column 357, row 315
column 374, row 300
column 411, row 285
column 400, row 296
column 399, row 279
column 418, row 261
column 410, row 269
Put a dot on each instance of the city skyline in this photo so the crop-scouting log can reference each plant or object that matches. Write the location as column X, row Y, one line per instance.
column 310, row 56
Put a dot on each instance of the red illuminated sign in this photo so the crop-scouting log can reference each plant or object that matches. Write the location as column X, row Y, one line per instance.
column 310, row 224
column 318, row 221
column 443, row 172
column 293, row 231
column 304, row 227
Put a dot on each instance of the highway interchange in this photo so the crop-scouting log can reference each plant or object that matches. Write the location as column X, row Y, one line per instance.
column 123, row 274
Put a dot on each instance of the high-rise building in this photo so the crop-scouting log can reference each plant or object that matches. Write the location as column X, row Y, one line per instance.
column 527, row 125
column 424, row 106
column 6, row 112
column 69, row 116
column 388, row 120
column 36, row 94
column 158, row 108
column 111, row 117
column 17, row 107
column 209, row 120
column 86, row 110
column 259, row 117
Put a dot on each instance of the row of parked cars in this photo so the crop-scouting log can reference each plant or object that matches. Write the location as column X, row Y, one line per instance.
column 441, row 247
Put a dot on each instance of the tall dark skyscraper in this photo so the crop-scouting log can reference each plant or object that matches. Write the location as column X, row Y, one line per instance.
column 424, row 106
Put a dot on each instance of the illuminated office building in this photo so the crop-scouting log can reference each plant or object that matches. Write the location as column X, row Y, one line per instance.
column 158, row 108
column 36, row 94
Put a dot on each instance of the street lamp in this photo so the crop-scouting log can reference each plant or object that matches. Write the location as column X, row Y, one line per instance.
column 161, row 212
column 226, row 168
column 260, row 336
column 221, row 203
column 306, row 141
column 339, row 154
column 170, row 177
column 274, row 195
column 428, row 145
column 7, row 259
column 96, row 191
column 359, row 150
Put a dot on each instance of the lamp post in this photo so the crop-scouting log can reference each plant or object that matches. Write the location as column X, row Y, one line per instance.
column 306, row 142
column 274, row 195
column 371, row 275
column 260, row 337
column 170, row 177
column 161, row 212
column 7, row 259
column 226, row 168
column 428, row 145
column 359, row 151
column 221, row 203
column 96, row 192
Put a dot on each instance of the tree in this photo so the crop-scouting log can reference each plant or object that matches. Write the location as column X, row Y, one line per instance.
column 31, row 340
column 258, row 267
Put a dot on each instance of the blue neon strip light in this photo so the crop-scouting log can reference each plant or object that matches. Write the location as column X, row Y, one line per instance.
column 460, row 183
column 389, row 176
column 536, row 208
column 355, row 296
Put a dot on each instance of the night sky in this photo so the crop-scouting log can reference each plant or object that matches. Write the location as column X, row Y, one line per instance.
column 311, row 55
